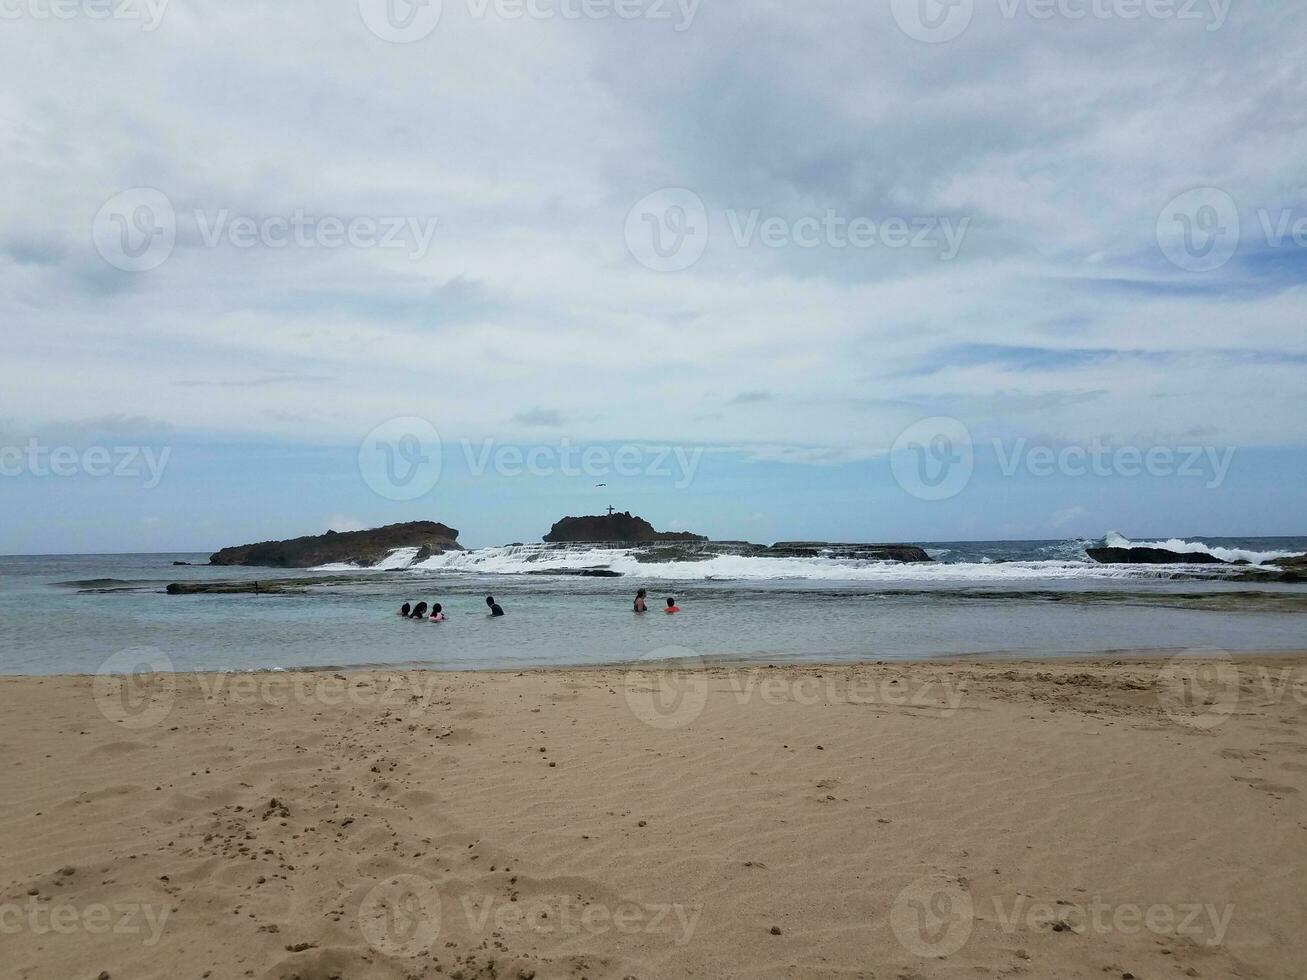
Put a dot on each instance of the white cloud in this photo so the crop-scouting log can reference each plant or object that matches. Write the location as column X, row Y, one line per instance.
column 529, row 141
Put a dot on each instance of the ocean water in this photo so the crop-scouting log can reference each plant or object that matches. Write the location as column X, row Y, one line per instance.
column 83, row 614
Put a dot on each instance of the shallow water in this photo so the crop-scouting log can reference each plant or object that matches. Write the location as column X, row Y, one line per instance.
column 980, row 598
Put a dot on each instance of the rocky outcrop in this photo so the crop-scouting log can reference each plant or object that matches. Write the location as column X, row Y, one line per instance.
column 706, row 550
column 577, row 572
column 611, row 529
column 231, row 588
column 868, row 552
column 363, row 548
column 663, row 552
column 1291, row 569
column 1151, row 556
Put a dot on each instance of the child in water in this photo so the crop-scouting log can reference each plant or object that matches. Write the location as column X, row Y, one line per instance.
column 404, row 611
column 672, row 607
column 420, row 612
column 639, row 602
column 494, row 606
column 436, row 615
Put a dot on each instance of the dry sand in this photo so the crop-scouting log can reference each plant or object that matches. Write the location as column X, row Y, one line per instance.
column 966, row 819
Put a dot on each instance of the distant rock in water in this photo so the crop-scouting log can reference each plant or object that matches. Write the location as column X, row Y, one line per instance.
column 868, row 552
column 706, row 550
column 697, row 549
column 363, row 548
column 1151, row 556
column 578, row 572
column 228, row 588
column 612, row 529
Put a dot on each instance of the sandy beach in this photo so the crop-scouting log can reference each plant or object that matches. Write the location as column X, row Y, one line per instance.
column 1112, row 818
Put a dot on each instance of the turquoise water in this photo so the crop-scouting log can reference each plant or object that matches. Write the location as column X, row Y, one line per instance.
column 1029, row 598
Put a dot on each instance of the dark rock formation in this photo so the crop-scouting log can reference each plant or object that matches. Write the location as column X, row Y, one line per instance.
column 869, row 552
column 675, row 546
column 578, row 572
column 1291, row 569
column 229, row 588
column 357, row 547
column 611, row 528
column 1151, row 556
column 661, row 552
column 1298, row 563
column 705, row 550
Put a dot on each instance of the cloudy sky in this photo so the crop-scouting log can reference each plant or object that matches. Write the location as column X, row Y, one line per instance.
column 747, row 254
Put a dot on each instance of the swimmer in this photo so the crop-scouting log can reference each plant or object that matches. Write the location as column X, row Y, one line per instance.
column 404, row 610
column 421, row 611
column 495, row 610
column 639, row 601
column 437, row 616
column 672, row 607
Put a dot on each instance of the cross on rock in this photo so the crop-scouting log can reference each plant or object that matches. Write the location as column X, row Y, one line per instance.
column 611, row 508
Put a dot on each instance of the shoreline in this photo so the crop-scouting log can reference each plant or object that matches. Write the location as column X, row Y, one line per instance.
column 709, row 662
column 1070, row 818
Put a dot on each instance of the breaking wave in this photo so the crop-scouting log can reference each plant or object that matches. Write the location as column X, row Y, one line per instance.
column 527, row 559
column 980, row 563
column 542, row 560
column 1114, row 539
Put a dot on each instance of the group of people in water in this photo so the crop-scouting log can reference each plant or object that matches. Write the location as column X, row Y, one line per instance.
column 437, row 611
column 437, row 614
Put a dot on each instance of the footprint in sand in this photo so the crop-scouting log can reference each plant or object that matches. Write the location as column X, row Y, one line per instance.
column 1264, row 786
column 118, row 748
column 1242, row 754
column 1290, row 746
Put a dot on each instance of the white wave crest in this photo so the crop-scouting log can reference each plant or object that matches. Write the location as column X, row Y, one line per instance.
column 1064, row 561
column 395, row 560
column 1114, row 539
column 520, row 559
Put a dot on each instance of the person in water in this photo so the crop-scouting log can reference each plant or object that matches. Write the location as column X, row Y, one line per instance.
column 404, row 610
column 437, row 616
column 495, row 609
column 639, row 601
column 672, row 607
column 421, row 611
